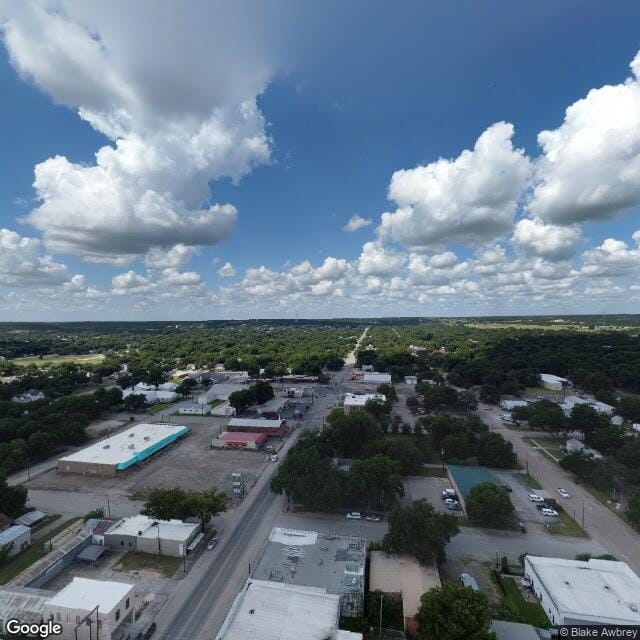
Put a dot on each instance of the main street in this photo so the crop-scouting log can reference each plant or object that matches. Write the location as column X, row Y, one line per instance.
column 603, row 526
column 200, row 603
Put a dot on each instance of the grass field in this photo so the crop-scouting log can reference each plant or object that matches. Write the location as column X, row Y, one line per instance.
column 530, row 612
column 433, row 472
column 164, row 565
column 16, row 565
column 567, row 527
column 548, row 447
column 89, row 358
column 530, row 326
column 529, row 481
column 160, row 406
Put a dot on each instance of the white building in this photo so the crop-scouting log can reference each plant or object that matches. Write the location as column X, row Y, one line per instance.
column 571, row 401
column 220, row 391
column 224, row 409
column 574, row 592
column 194, row 410
column 553, row 383
column 84, row 606
column 18, row 537
column 413, row 380
column 266, row 610
column 573, row 445
column 377, row 378
column 353, row 402
column 167, row 386
column 151, row 393
column 29, row 396
column 150, row 535
column 509, row 405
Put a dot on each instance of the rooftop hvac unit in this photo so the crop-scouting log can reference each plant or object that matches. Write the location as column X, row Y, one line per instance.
column 131, row 435
column 106, row 446
column 132, row 446
column 147, row 437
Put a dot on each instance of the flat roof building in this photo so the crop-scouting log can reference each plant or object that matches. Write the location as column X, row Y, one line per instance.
column 576, row 592
column 553, row 383
column 276, row 611
column 84, row 605
column 307, row 558
column 31, row 518
column 353, row 402
column 123, row 450
column 376, row 378
column 276, row 428
column 403, row 574
column 150, row 535
column 275, row 406
column 464, row 478
column 239, row 440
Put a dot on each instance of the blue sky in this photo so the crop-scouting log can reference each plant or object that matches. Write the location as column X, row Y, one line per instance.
column 340, row 98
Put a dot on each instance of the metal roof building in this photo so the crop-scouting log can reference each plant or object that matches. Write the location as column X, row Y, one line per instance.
column 275, row 611
column 239, row 440
column 311, row 559
column 123, row 450
column 276, row 428
column 578, row 592
column 22, row 603
column 18, row 536
column 30, row 518
column 377, row 378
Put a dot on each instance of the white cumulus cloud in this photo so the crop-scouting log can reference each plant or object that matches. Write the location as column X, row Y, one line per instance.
column 227, row 270
column 472, row 198
column 589, row 169
column 356, row 222
column 550, row 241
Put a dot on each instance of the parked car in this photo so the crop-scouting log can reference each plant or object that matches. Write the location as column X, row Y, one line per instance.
column 354, row 515
column 373, row 518
column 523, row 527
column 150, row 631
column 534, row 497
column 486, row 406
column 448, row 493
column 469, row 581
column 542, row 505
column 506, row 487
column 274, row 458
column 564, row 493
column 551, row 513
column 454, row 506
column 212, row 543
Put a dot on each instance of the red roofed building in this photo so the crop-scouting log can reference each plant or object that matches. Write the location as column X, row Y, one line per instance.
column 240, row 440
column 274, row 428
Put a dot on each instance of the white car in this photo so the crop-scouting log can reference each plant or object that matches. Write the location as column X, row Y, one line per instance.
column 274, row 458
column 354, row 515
column 551, row 513
column 373, row 518
column 564, row 493
column 535, row 497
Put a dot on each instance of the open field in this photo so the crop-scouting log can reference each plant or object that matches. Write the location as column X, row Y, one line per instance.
column 89, row 358
column 166, row 566
column 547, row 447
column 537, row 327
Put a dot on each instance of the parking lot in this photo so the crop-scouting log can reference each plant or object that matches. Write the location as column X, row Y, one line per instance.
column 190, row 463
column 426, row 488
column 525, row 510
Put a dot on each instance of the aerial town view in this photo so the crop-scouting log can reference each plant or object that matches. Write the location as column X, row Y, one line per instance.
column 319, row 320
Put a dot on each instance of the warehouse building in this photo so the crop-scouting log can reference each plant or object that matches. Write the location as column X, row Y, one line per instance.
column 148, row 535
column 353, row 402
column 123, row 450
column 18, row 537
column 274, row 428
column 273, row 407
column 574, row 592
column 310, row 559
column 239, row 440
column 194, row 410
column 376, row 378
column 276, row 611
column 553, row 383
column 89, row 609
column 22, row 604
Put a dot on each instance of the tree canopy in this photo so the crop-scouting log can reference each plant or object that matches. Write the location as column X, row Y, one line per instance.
column 489, row 505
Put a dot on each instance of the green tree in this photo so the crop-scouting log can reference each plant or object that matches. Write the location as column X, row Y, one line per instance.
column 454, row 612
column 262, row 392
column 493, row 450
column 176, row 503
column 489, row 505
column 629, row 408
column 489, row 393
column 467, row 401
column 420, row 531
column 404, row 451
column 581, row 465
column 134, row 402
column 351, row 435
column 241, row 400
column 376, row 482
column 389, row 391
column 12, row 498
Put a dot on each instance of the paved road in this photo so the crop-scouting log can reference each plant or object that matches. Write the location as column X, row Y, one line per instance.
column 602, row 525
column 200, row 603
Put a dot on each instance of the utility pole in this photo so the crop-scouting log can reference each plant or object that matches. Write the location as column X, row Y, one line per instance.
column 108, row 507
column 583, row 514
column 380, row 620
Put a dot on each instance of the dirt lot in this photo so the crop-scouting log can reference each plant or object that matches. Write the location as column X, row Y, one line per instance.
column 190, row 463
column 481, row 571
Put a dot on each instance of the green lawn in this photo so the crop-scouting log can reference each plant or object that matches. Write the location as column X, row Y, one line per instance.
column 567, row 527
column 89, row 358
column 548, row 447
column 16, row 565
column 160, row 406
column 45, row 523
column 164, row 565
column 530, row 612
column 216, row 402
